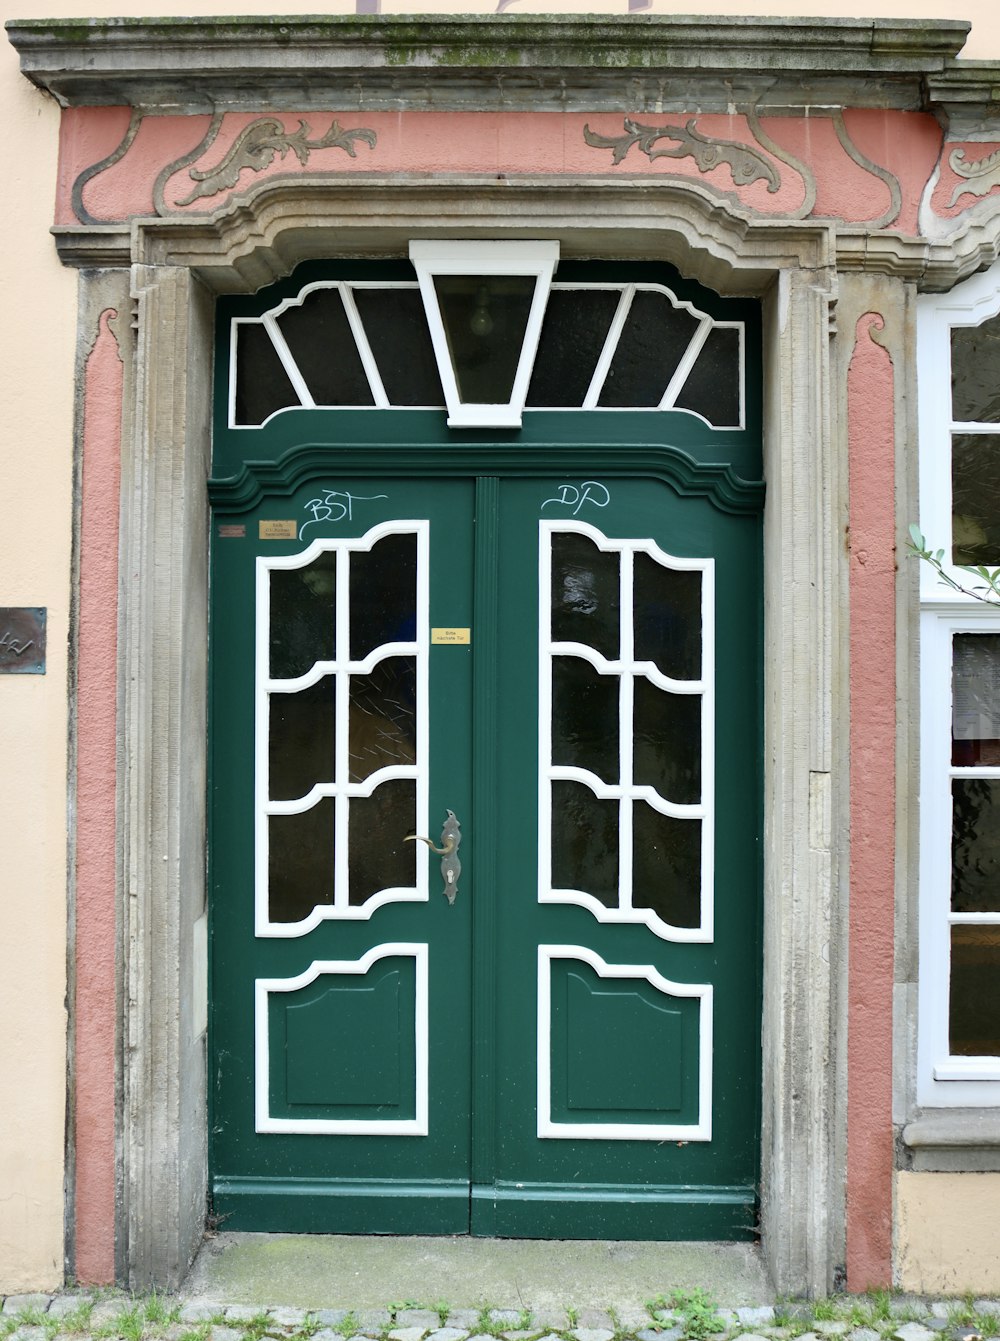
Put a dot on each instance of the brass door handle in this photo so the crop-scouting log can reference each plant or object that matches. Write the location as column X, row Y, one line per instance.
column 451, row 867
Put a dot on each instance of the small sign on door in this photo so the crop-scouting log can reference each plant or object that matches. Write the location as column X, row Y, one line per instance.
column 456, row 637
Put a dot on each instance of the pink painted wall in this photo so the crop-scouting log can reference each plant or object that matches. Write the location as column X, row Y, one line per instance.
column 868, row 166
column 871, row 447
column 95, row 1010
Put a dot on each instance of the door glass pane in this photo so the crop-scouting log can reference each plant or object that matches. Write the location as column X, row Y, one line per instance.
column 377, row 826
column 585, row 594
column 383, row 724
column 975, row 699
column 668, row 618
column 574, row 330
column 584, row 717
column 300, row 862
column 302, row 629
column 975, row 373
column 262, row 385
column 975, row 991
column 383, row 594
column 654, row 340
column 584, row 842
column 485, row 318
column 396, row 327
column 301, row 740
column 666, row 865
column 321, row 342
column 975, row 845
column 975, row 498
column 713, row 385
column 667, row 742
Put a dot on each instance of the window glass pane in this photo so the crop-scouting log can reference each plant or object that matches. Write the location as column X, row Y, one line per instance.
column 378, row 856
column 485, row 318
column 667, row 747
column 302, row 628
column 975, row 498
column 975, row 699
column 584, row 717
column 301, row 740
column 975, row 372
column 585, row 594
column 383, row 594
column 383, row 727
column 654, row 340
column 584, row 842
column 575, row 328
column 320, row 340
column 262, row 385
column 396, row 327
column 975, row 845
column 975, row 991
column 713, row 387
column 300, row 862
column 666, row 865
column 668, row 618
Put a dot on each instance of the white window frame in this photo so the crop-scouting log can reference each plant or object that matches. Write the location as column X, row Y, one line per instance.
column 944, row 1080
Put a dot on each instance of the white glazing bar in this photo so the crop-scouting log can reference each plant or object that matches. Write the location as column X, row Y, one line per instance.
column 261, row 726
column 708, row 749
column 683, row 369
column 423, row 600
column 287, row 362
column 610, row 346
column 342, row 718
column 546, row 533
column 364, row 348
column 626, row 726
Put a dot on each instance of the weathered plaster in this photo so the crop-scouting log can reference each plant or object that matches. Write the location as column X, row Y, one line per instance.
column 871, row 549
column 947, row 1231
column 96, row 961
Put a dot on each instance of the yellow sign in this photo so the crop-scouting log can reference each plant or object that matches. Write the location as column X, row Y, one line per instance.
column 452, row 636
column 278, row 530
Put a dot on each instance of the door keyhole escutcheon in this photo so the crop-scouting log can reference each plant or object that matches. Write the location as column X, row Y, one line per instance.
column 451, row 867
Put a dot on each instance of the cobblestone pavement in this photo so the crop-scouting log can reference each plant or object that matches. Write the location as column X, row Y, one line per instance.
column 682, row 1316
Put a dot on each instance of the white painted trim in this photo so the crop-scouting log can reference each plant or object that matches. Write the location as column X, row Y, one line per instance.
column 339, row 787
column 701, row 1130
column 484, row 258
column 626, row 791
column 610, row 347
column 264, row 987
column 375, row 383
column 944, row 1080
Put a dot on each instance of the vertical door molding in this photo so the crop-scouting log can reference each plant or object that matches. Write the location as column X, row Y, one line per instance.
column 804, row 583
column 163, row 667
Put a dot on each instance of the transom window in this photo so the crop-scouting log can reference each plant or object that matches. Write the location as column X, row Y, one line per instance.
column 603, row 346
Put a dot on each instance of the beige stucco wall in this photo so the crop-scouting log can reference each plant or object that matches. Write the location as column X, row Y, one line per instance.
column 943, row 1220
column 947, row 1233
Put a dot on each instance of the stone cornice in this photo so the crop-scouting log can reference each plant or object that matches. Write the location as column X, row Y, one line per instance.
column 656, row 62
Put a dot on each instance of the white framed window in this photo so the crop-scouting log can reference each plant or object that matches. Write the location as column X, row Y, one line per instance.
column 959, row 967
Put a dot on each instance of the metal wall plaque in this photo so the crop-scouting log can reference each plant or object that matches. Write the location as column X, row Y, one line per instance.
column 456, row 637
column 22, row 640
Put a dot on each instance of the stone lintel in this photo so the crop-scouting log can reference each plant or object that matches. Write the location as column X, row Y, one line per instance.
column 659, row 62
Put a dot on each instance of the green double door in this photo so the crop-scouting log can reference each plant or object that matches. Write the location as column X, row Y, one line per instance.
column 556, row 1035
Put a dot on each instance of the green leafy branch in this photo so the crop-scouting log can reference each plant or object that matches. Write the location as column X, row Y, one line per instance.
column 987, row 590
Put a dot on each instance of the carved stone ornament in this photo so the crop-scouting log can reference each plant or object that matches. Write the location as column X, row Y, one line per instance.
column 982, row 175
column 745, row 164
column 256, row 146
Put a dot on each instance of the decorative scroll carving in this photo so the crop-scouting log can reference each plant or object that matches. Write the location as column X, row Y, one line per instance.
column 256, row 146
column 79, row 208
column 982, row 175
column 745, row 163
column 895, row 190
